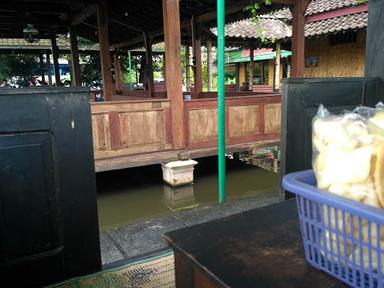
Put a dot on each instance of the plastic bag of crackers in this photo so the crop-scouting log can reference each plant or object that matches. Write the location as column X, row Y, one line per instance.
column 348, row 160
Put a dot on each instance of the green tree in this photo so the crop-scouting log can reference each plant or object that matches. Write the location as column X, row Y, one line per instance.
column 90, row 68
column 5, row 68
column 24, row 66
column 135, row 63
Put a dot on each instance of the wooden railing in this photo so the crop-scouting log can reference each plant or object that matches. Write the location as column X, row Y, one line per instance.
column 143, row 94
column 125, row 131
column 130, row 127
column 248, row 119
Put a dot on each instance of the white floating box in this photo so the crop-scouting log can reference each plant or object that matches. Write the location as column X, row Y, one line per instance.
column 178, row 173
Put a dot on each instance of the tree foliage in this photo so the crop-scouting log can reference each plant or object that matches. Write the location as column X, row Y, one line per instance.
column 23, row 66
column 90, row 69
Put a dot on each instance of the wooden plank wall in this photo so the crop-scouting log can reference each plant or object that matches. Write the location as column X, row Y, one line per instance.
column 130, row 127
column 249, row 119
column 138, row 128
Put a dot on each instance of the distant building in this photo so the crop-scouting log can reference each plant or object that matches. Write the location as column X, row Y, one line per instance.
column 335, row 38
column 335, row 34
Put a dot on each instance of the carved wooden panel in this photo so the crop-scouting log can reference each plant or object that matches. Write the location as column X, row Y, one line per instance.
column 202, row 124
column 272, row 118
column 140, row 128
column 121, row 129
column 100, row 129
column 243, row 120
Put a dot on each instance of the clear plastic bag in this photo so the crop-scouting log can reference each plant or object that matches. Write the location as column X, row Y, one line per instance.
column 348, row 153
column 348, row 160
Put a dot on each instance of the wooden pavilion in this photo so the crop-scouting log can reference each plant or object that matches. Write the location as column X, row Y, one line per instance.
column 144, row 131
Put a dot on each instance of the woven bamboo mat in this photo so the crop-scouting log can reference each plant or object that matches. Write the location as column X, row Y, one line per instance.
column 157, row 272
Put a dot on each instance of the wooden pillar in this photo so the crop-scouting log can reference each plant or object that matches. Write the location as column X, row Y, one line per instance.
column 209, row 65
column 172, row 38
column 187, row 69
column 298, row 38
column 70, row 68
column 137, row 74
column 142, row 75
column 48, row 56
column 105, row 57
column 42, row 68
column 242, row 70
column 271, row 67
column 149, row 65
column 198, row 77
column 117, row 65
column 55, row 56
column 197, row 65
column 251, row 66
column 238, row 84
column 75, row 68
column 277, row 66
column 164, row 74
column 262, row 71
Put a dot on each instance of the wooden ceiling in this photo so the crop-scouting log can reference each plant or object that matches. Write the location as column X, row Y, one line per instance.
column 128, row 19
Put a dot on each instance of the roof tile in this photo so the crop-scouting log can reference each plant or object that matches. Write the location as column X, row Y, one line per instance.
column 337, row 24
column 319, row 6
column 267, row 27
column 263, row 28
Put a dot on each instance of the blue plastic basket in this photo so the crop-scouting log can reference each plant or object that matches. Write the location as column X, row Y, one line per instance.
column 340, row 236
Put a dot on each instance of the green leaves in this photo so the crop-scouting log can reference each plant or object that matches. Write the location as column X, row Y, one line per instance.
column 254, row 7
column 254, row 10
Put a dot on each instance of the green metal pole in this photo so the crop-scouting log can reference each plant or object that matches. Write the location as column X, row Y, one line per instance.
column 130, row 70
column 221, row 97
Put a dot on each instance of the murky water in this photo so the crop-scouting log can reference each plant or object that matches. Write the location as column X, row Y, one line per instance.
column 131, row 195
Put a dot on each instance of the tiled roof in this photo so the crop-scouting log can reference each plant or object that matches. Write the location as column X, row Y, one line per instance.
column 263, row 28
column 62, row 43
column 314, row 7
column 337, row 24
column 275, row 25
column 282, row 14
column 319, row 6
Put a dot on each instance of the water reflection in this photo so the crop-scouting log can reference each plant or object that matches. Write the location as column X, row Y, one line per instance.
column 137, row 194
column 178, row 198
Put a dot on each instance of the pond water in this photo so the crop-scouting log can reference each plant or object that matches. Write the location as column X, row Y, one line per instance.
column 136, row 194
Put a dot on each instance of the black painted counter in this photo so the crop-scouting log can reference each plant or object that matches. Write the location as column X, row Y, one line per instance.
column 257, row 248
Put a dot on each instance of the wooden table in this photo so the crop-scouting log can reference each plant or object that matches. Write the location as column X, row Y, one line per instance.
column 257, row 248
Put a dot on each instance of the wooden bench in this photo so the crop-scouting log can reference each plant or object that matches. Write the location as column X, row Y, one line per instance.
column 262, row 89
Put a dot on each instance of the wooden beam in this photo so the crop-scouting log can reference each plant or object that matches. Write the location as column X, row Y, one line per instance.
column 239, row 6
column 76, row 75
column 55, row 56
column 172, row 37
column 83, row 15
column 337, row 13
column 230, row 9
column 298, row 38
column 105, row 57
column 136, row 40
